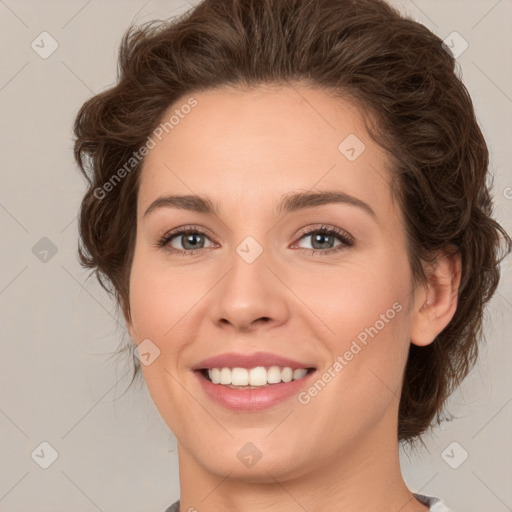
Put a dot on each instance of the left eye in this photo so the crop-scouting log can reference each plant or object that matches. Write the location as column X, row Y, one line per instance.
column 325, row 236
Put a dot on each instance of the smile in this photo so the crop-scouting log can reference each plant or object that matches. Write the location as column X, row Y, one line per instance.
column 253, row 389
column 254, row 377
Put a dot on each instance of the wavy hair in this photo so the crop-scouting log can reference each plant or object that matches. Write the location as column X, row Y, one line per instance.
column 403, row 79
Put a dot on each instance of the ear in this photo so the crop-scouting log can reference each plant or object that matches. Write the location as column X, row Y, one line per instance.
column 435, row 306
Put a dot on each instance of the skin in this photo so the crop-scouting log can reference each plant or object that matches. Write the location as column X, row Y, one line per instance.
column 244, row 149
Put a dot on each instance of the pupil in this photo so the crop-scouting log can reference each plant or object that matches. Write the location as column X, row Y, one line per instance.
column 190, row 239
column 319, row 237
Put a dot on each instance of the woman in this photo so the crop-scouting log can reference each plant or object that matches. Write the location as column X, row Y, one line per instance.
column 288, row 201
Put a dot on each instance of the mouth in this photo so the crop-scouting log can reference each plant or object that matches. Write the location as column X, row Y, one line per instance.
column 245, row 382
column 245, row 397
column 253, row 378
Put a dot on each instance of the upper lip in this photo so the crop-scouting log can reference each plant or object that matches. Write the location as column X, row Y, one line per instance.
column 234, row 360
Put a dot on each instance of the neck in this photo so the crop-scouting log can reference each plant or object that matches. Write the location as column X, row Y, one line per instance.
column 363, row 476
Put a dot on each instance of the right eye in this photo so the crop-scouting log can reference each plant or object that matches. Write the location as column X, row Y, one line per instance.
column 190, row 239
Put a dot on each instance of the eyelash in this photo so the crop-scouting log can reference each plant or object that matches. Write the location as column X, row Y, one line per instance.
column 346, row 239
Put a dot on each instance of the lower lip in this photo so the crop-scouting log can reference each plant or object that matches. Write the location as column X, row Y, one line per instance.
column 252, row 399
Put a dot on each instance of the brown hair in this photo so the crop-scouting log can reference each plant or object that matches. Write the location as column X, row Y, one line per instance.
column 395, row 69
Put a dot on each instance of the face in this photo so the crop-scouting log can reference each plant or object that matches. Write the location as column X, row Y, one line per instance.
column 258, row 274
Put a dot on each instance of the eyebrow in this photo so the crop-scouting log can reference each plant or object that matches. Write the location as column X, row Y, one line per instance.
column 289, row 202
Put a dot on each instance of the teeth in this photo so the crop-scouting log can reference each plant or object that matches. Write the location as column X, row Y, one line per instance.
column 258, row 376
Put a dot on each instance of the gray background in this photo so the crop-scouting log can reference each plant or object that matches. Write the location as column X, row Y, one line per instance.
column 57, row 384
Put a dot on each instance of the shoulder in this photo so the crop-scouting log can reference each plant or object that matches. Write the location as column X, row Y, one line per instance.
column 175, row 507
column 435, row 504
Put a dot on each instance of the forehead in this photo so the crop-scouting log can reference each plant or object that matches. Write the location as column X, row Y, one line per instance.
column 259, row 144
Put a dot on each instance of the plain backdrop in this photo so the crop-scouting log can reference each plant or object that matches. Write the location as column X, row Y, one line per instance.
column 110, row 451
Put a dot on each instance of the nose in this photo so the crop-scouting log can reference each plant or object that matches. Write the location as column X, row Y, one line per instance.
column 250, row 296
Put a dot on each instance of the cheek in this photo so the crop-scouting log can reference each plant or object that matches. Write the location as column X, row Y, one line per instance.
column 162, row 306
column 364, row 319
column 159, row 298
column 352, row 296
column 168, row 308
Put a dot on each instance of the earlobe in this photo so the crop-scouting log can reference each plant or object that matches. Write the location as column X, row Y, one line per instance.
column 437, row 305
